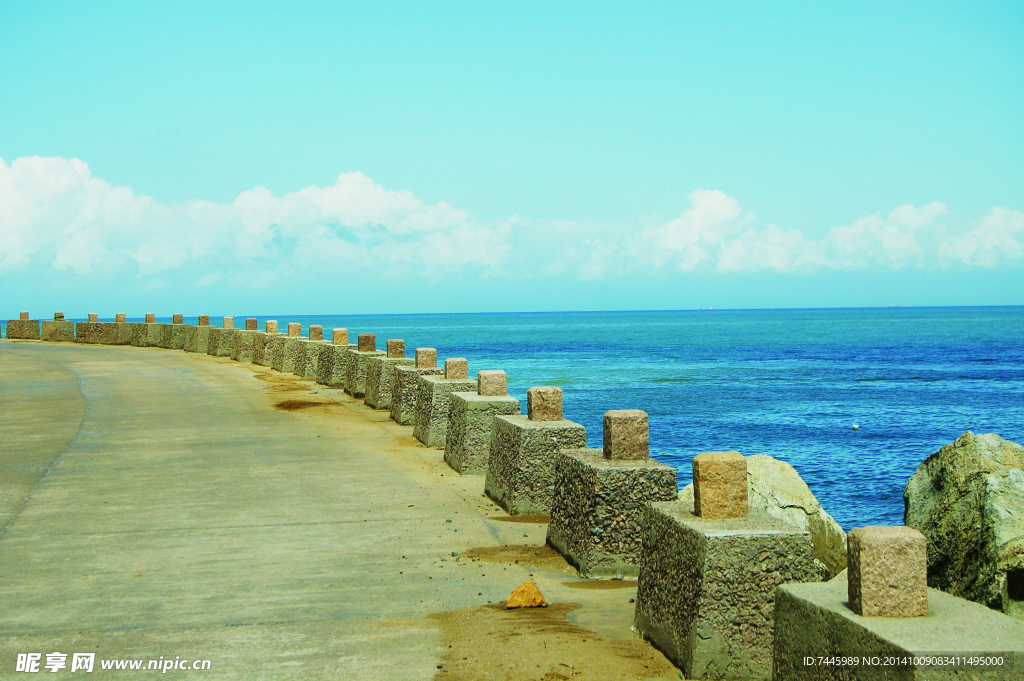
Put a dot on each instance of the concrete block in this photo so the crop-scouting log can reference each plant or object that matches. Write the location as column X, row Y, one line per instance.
column 814, row 621
column 204, row 320
column 125, row 333
column 521, row 466
column 178, row 336
column 403, row 397
column 93, row 317
column 119, row 318
column 432, row 406
column 311, row 356
column 251, row 324
column 467, row 446
column 243, row 345
column 178, row 318
column 492, row 382
column 23, row 329
column 339, row 336
column 316, row 332
column 720, row 485
column 456, row 369
column 225, row 340
column 330, row 367
column 626, row 434
column 380, row 379
column 426, row 358
column 58, row 331
column 706, row 588
column 260, row 341
column 887, row 571
column 139, row 334
column 598, row 507
column 355, row 368
column 544, row 403
column 294, row 361
column 58, row 316
column 197, row 339
column 275, row 351
column 270, row 326
column 150, row 318
column 157, row 335
column 367, row 342
column 97, row 333
column 294, row 329
column 396, row 348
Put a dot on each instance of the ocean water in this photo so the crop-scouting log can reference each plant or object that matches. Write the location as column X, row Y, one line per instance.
column 789, row 383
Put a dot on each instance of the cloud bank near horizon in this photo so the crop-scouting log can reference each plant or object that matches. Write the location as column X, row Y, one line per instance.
column 54, row 213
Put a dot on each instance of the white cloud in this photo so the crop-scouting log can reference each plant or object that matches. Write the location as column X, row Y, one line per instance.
column 54, row 213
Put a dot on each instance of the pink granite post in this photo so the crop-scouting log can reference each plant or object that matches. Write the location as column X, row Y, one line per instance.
column 93, row 317
column 396, row 347
column 271, row 326
column 339, row 337
column 316, row 332
column 178, row 319
column 456, row 369
column 204, row 320
column 229, row 322
column 626, row 435
column 24, row 316
column 544, row 403
column 887, row 572
column 492, row 383
column 150, row 318
column 120, row 317
column 294, row 329
column 720, row 485
column 251, row 324
column 426, row 358
column 367, row 342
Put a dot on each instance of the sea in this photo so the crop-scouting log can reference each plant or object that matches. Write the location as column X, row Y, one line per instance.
column 788, row 383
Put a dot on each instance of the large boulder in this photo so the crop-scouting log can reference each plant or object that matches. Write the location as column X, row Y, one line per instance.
column 968, row 500
column 776, row 488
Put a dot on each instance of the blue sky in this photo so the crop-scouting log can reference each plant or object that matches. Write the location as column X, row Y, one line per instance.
column 399, row 157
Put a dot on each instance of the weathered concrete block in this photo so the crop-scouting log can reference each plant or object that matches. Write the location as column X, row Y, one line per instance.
column 720, row 485
column 157, row 335
column 220, row 341
column 380, row 379
column 23, row 329
column 432, row 406
column 97, row 333
column 125, row 333
column 403, row 397
column 260, row 341
column 178, row 336
column 706, row 591
column 355, row 368
column 294, row 355
column 139, row 334
column 311, row 358
column 814, row 621
column 598, row 507
column 330, row 366
column 197, row 339
column 274, row 353
column 467, row 446
column 58, row 331
column 521, row 465
column 887, row 571
column 243, row 345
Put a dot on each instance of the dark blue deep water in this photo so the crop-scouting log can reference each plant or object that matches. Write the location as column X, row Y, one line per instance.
column 789, row 383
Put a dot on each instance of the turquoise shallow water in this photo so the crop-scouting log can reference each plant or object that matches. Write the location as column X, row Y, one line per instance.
column 789, row 383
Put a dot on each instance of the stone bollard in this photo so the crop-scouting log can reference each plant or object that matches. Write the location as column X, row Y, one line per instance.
column 119, row 318
column 339, row 336
column 251, row 324
column 95, row 318
column 204, row 320
column 430, row 425
column 316, row 332
column 294, row 330
column 884, row 611
column 356, row 363
column 229, row 323
column 467, row 446
column 521, row 465
column 600, row 497
column 178, row 318
column 23, row 328
column 380, row 374
column 270, row 326
column 706, row 586
column 57, row 331
column 403, row 397
column 150, row 318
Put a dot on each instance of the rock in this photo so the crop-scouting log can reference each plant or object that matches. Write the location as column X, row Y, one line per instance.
column 968, row 500
column 776, row 488
column 526, row 595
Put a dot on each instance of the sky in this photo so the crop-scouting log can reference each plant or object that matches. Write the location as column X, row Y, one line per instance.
column 333, row 158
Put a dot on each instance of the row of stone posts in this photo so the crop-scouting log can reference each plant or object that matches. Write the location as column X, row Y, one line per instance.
column 725, row 591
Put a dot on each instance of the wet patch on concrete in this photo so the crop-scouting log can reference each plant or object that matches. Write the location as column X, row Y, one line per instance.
column 537, row 519
column 529, row 556
column 602, row 584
